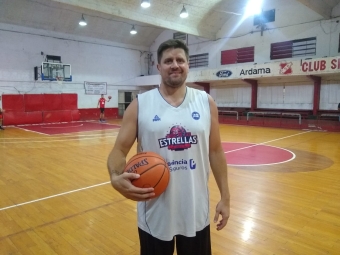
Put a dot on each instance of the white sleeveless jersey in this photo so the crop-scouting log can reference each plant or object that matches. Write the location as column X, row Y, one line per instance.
column 181, row 136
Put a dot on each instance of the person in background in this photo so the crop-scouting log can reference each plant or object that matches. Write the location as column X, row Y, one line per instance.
column 101, row 104
column 1, row 117
column 180, row 124
column 1, row 127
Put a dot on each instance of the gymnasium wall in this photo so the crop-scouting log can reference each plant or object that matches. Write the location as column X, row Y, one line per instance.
column 304, row 23
column 118, row 64
column 279, row 95
column 91, row 60
column 233, row 95
column 293, row 21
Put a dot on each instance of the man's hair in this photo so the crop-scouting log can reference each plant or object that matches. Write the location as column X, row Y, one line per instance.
column 172, row 43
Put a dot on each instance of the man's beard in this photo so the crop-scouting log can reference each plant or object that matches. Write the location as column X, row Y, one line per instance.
column 175, row 83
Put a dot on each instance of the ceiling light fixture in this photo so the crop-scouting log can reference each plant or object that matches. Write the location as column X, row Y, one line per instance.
column 253, row 7
column 82, row 22
column 184, row 13
column 145, row 3
column 133, row 31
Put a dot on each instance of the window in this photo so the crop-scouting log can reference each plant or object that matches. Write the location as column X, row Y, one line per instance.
column 199, row 60
column 180, row 36
column 241, row 55
column 294, row 48
column 264, row 17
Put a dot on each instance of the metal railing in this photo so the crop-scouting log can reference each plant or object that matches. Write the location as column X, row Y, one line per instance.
column 236, row 112
column 275, row 113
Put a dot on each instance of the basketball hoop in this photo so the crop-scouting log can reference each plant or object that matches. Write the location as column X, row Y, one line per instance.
column 59, row 80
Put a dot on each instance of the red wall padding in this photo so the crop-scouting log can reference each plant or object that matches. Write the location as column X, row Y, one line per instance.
column 17, row 118
column 13, row 103
column 52, row 102
column 33, row 102
column 69, row 101
column 75, row 114
column 60, row 116
column 39, row 108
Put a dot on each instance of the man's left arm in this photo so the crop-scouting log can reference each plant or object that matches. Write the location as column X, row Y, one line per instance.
column 218, row 165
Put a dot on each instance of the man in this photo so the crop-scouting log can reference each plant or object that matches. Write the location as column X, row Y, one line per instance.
column 180, row 124
column 1, row 117
column 101, row 105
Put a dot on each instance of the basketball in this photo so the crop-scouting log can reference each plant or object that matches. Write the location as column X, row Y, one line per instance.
column 109, row 97
column 153, row 170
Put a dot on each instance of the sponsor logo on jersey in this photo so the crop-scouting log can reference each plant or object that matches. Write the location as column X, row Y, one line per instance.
column 182, row 164
column 178, row 139
column 192, row 164
column 195, row 116
column 156, row 118
column 133, row 168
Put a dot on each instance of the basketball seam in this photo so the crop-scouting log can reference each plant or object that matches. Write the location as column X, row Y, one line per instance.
column 146, row 156
column 161, row 178
column 151, row 168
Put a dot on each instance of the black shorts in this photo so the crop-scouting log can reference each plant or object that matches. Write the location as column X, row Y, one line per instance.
column 102, row 110
column 197, row 245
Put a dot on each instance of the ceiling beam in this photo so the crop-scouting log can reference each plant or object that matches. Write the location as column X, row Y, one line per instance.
column 117, row 10
column 318, row 6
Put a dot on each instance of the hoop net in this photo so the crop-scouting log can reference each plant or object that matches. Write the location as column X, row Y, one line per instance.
column 59, row 80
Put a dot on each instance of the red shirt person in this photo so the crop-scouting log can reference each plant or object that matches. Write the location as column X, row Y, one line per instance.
column 1, row 111
column 101, row 105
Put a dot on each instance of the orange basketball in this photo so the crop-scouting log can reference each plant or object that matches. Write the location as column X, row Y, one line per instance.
column 153, row 170
column 109, row 97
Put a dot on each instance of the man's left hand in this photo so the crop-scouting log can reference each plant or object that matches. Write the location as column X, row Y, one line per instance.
column 223, row 209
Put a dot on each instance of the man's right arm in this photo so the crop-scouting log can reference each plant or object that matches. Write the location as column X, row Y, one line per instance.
column 117, row 159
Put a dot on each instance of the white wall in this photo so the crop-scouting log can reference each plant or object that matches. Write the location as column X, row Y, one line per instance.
column 330, row 95
column 291, row 95
column 235, row 95
column 119, row 65
column 279, row 95
column 293, row 21
column 91, row 60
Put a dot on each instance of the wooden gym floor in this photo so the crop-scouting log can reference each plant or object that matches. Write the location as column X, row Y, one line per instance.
column 55, row 196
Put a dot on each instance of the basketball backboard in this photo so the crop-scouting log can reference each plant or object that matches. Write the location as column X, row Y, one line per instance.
column 50, row 71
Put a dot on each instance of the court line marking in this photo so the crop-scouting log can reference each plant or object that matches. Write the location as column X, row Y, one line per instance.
column 269, row 164
column 67, row 133
column 80, row 125
column 37, row 132
column 104, row 183
column 61, row 140
column 50, row 138
column 57, row 195
column 268, row 142
column 59, row 123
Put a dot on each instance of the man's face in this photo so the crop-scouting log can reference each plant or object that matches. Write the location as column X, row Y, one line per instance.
column 174, row 67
